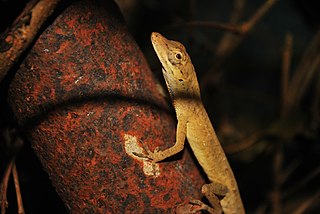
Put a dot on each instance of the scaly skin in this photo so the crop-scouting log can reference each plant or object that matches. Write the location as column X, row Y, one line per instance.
column 194, row 124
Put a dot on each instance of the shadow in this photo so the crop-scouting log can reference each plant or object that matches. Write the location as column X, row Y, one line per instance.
column 43, row 111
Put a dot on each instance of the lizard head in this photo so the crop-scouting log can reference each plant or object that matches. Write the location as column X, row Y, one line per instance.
column 177, row 67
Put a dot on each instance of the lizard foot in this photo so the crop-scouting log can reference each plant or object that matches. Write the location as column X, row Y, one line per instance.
column 202, row 207
column 214, row 192
column 154, row 156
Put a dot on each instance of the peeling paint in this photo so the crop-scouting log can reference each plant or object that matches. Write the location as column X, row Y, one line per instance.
column 131, row 146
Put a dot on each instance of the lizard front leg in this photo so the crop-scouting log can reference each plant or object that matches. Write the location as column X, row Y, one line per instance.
column 157, row 155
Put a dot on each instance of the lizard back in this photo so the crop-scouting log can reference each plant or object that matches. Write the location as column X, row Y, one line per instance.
column 210, row 155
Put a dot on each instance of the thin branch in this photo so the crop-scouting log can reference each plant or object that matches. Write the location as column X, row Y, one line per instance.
column 247, row 26
column 14, row 143
column 316, row 104
column 228, row 38
column 314, row 66
column 286, row 62
column 4, row 187
column 277, row 177
column 287, row 172
column 23, row 32
column 244, row 144
column 303, row 183
column 262, row 209
column 243, row 30
column 237, row 11
column 217, row 25
column 305, row 71
column 315, row 199
column 18, row 191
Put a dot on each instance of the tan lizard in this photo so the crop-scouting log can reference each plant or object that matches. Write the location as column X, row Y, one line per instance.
column 194, row 124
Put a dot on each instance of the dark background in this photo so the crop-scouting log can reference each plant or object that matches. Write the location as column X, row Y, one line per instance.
column 243, row 98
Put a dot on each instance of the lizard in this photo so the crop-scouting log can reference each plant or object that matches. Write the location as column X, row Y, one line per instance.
column 194, row 124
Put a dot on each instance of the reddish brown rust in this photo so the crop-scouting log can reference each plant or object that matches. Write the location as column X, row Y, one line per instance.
column 85, row 89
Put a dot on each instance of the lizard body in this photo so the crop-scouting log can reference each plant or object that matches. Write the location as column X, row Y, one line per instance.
column 193, row 121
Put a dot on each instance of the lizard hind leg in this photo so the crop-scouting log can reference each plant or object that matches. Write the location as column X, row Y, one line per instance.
column 215, row 189
column 203, row 207
column 214, row 192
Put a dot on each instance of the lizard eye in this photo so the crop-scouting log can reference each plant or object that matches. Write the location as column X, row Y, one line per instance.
column 178, row 56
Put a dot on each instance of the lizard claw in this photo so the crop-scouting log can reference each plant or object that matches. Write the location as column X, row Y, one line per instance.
column 202, row 207
column 153, row 156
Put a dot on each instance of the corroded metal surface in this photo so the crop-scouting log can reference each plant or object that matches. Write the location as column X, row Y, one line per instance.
column 86, row 98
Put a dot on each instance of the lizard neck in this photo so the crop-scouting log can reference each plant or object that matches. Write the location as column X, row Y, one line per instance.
column 185, row 99
column 184, row 88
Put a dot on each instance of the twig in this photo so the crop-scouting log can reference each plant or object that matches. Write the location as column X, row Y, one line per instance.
column 308, row 203
column 243, row 30
column 23, row 32
column 247, row 26
column 18, row 191
column 302, row 183
column 277, row 177
column 261, row 209
column 4, row 187
column 289, row 170
column 237, row 11
column 244, row 144
column 286, row 62
column 314, row 66
column 217, row 25
column 14, row 143
column 228, row 38
column 316, row 104
column 304, row 72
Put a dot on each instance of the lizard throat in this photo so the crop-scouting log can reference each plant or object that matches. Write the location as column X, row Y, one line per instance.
column 168, row 85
